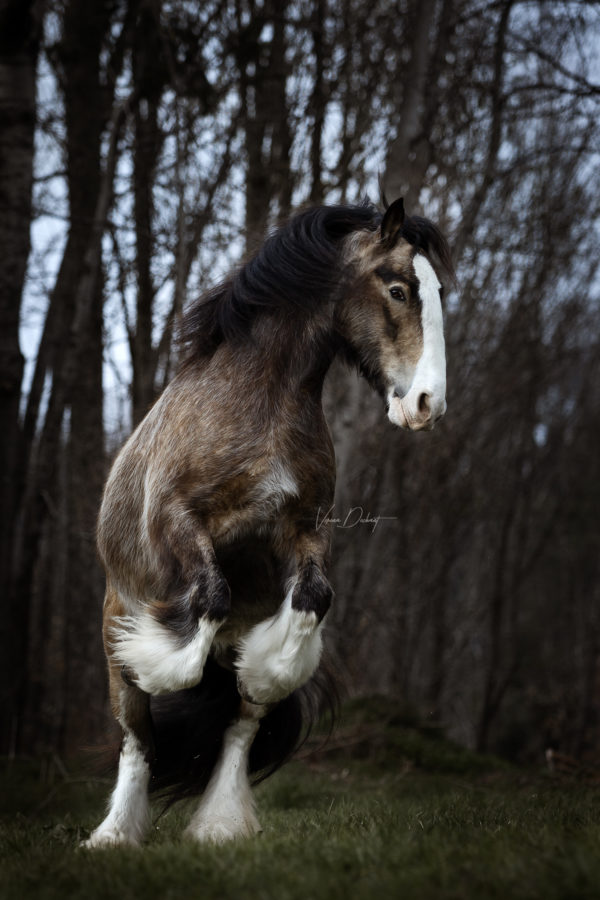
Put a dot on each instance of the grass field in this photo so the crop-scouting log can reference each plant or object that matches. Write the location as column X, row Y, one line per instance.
column 387, row 811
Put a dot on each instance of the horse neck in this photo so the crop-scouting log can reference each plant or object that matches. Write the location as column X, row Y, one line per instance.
column 294, row 353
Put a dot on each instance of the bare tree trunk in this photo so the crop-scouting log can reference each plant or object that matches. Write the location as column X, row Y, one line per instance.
column 318, row 103
column 407, row 157
column 281, row 140
column 497, row 104
column 263, row 73
column 84, row 692
column 75, row 400
column 20, row 27
column 148, row 76
column 366, row 476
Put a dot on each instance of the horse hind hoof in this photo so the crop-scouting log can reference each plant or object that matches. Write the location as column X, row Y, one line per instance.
column 222, row 829
column 107, row 838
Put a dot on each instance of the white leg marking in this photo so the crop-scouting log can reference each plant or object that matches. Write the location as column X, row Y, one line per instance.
column 280, row 654
column 226, row 810
column 159, row 662
column 128, row 817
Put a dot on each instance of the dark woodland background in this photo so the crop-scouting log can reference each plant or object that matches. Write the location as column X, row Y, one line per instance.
column 145, row 146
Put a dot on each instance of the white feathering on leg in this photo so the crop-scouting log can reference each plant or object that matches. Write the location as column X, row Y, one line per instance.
column 159, row 663
column 280, row 654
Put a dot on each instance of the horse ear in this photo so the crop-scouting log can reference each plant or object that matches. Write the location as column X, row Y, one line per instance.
column 392, row 222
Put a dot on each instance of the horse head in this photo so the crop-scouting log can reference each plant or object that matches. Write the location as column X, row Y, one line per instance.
column 390, row 316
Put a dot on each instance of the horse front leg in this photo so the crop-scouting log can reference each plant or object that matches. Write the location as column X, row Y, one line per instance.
column 128, row 816
column 283, row 652
column 163, row 643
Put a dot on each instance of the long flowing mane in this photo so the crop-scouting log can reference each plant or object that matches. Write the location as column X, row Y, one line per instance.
column 296, row 268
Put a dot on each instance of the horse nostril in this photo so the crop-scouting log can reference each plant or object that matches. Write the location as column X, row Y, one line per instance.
column 424, row 407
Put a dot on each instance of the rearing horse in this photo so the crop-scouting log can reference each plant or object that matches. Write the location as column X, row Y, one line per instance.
column 215, row 567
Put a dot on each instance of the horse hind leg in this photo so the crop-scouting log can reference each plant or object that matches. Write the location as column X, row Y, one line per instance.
column 128, row 817
column 276, row 657
column 227, row 809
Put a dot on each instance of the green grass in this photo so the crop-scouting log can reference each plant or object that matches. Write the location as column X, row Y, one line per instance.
column 387, row 811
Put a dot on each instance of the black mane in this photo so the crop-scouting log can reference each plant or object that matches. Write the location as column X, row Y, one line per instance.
column 297, row 267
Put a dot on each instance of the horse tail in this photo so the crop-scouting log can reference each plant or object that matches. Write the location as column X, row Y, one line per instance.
column 188, row 728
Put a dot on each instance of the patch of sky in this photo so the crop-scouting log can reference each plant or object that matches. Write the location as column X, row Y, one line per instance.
column 540, row 434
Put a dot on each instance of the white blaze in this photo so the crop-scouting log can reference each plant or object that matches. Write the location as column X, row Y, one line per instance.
column 430, row 372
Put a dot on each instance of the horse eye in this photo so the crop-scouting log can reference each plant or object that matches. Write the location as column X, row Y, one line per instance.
column 397, row 293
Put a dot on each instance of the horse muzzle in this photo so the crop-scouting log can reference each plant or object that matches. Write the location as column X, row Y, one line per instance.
column 417, row 410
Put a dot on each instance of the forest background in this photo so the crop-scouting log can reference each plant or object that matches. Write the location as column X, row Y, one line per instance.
column 145, row 147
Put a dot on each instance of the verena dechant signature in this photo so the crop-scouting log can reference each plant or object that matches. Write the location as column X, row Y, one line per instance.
column 355, row 516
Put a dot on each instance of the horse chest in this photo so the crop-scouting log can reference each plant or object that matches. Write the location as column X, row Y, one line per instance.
column 252, row 502
column 274, row 488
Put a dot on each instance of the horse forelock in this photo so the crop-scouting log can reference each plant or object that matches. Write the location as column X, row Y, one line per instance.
column 424, row 235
